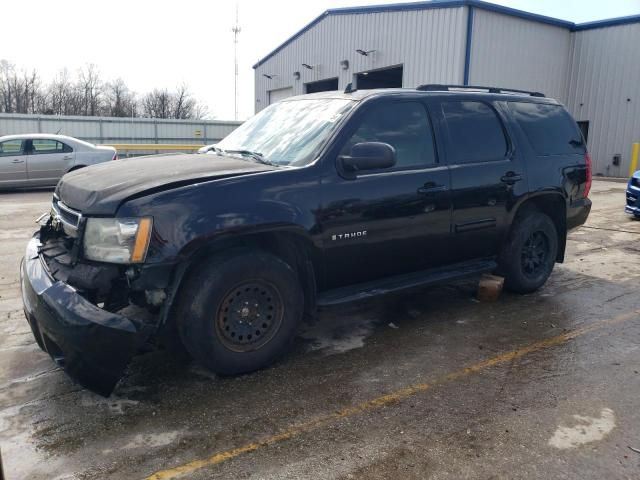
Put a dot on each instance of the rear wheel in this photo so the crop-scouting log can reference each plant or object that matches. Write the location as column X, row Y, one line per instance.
column 239, row 313
column 530, row 254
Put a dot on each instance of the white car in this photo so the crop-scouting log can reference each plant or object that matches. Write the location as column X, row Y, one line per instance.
column 31, row 160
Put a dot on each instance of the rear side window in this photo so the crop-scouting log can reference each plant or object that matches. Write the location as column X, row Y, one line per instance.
column 475, row 132
column 549, row 128
column 48, row 146
column 405, row 126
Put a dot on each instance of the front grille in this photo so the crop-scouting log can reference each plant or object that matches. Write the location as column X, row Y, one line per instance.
column 631, row 200
column 68, row 217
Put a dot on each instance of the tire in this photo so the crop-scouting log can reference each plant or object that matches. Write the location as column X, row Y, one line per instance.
column 239, row 312
column 530, row 253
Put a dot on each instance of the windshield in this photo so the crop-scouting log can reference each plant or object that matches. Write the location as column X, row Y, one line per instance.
column 288, row 133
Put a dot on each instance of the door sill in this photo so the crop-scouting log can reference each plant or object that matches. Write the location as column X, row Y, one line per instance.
column 359, row 291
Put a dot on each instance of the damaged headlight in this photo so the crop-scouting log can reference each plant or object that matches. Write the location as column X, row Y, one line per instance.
column 117, row 240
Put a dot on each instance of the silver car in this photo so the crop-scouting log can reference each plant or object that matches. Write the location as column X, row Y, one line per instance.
column 32, row 160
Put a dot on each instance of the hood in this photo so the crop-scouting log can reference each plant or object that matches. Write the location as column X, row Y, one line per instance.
column 100, row 189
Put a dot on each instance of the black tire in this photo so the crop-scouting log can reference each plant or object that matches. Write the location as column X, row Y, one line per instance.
column 239, row 312
column 530, row 253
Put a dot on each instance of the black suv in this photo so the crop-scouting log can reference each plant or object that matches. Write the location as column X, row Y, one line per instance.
column 317, row 200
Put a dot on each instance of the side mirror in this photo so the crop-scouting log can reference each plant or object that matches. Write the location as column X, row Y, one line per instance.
column 369, row 156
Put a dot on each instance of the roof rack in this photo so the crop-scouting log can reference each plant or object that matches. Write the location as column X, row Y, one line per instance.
column 447, row 88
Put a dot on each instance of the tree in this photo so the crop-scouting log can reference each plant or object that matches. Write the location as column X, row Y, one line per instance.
column 86, row 94
column 119, row 101
column 90, row 87
column 184, row 105
column 7, row 93
column 63, row 98
column 161, row 103
column 157, row 104
column 19, row 91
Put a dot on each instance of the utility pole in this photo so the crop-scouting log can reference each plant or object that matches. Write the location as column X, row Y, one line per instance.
column 236, row 31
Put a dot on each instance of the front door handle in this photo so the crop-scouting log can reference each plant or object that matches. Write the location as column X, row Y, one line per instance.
column 431, row 187
column 17, row 160
column 510, row 178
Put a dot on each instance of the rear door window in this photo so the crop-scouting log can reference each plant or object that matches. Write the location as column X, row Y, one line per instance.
column 475, row 133
column 41, row 146
column 549, row 128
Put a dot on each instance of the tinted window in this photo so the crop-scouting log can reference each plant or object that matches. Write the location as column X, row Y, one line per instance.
column 549, row 128
column 405, row 126
column 10, row 147
column 475, row 132
column 48, row 146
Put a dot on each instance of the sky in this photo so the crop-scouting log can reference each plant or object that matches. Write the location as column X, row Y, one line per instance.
column 161, row 43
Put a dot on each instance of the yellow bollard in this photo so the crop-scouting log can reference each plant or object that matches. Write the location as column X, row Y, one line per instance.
column 635, row 149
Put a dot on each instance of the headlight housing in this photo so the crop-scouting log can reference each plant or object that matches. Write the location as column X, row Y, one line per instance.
column 117, row 240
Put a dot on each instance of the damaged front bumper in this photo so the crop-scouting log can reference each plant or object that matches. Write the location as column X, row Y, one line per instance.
column 93, row 345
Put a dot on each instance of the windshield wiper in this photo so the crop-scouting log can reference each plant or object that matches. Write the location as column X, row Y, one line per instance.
column 255, row 155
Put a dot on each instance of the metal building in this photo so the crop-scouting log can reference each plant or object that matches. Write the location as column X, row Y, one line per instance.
column 593, row 68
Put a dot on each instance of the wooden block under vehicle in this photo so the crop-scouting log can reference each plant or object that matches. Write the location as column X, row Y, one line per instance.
column 489, row 288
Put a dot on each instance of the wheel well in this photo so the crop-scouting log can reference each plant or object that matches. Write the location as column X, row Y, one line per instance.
column 554, row 206
column 294, row 249
column 76, row 167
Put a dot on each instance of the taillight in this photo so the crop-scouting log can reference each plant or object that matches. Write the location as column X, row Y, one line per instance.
column 587, row 185
column 115, row 156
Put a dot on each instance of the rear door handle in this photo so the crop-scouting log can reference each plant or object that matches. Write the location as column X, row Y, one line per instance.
column 431, row 187
column 510, row 178
column 17, row 160
column 67, row 157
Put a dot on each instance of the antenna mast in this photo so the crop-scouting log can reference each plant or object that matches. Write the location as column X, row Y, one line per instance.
column 236, row 31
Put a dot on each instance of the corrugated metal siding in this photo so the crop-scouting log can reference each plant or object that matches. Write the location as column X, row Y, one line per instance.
column 517, row 53
column 605, row 72
column 428, row 43
column 119, row 130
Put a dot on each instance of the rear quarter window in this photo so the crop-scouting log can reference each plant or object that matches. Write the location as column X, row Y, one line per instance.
column 549, row 128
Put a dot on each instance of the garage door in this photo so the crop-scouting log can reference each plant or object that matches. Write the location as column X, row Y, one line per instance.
column 279, row 94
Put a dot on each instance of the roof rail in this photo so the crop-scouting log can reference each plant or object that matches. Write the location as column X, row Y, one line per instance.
column 447, row 88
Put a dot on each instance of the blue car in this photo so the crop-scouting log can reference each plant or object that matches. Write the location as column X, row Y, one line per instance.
column 633, row 195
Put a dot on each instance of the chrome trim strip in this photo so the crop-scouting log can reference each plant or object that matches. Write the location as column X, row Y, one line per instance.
column 68, row 227
column 70, row 211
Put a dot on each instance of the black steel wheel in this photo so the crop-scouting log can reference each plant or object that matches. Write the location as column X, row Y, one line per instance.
column 249, row 316
column 239, row 311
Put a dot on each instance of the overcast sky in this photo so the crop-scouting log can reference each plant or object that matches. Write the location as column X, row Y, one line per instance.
column 161, row 43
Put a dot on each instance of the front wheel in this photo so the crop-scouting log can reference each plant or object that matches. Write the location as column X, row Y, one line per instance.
column 530, row 254
column 239, row 312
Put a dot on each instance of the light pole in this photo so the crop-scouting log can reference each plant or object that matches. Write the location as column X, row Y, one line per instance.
column 236, row 31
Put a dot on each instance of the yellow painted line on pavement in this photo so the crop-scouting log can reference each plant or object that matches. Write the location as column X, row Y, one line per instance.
column 388, row 399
